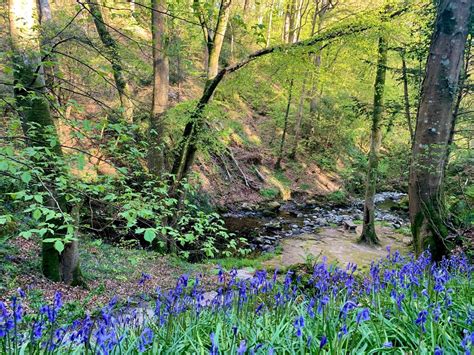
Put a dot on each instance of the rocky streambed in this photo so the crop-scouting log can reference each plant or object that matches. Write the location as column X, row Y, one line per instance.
column 266, row 225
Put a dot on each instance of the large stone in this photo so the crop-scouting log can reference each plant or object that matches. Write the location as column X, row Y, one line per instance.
column 273, row 205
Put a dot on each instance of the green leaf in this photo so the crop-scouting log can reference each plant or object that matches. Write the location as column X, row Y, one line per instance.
column 59, row 246
column 37, row 214
column 26, row 177
column 38, row 198
column 149, row 235
column 26, row 234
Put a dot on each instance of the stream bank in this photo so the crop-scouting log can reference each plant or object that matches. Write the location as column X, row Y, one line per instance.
column 306, row 230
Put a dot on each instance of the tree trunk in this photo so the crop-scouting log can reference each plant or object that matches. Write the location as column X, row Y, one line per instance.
column 299, row 119
column 285, row 127
column 114, row 56
column 433, row 126
column 37, row 122
column 286, row 25
column 44, row 11
column 406, row 97
column 463, row 91
column 368, row 229
column 160, row 88
column 186, row 149
column 269, row 27
column 218, row 40
column 293, row 22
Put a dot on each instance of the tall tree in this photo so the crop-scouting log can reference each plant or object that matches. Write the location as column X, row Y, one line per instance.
column 285, row 127
column 299, row 120
column 406, row 96
column 160, row 87
column 368, row 229
column 215, row 46
column 214, row 39
column 434, row 124
column 113, row 55
column 38, row 126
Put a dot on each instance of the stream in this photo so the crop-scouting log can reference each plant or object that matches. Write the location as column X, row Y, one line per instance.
column 265, row 230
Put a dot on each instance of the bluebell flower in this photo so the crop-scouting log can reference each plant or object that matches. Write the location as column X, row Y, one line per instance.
column 348, row 306
column 322, row 302
column 363, row 315
column 146, row 338
column 242, row 348
column 299, row 324
column 220, row 274
column 37, row 330
column 388, row 344
column 342, row 331
column 438, row 351
column 323, row 341
column 421, row 320
column 21, row 292
column 214, row 348
column 6, row 322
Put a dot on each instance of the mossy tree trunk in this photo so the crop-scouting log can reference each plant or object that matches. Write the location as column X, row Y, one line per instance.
column 156, row 158
column 113, row 54
column 38, row 125
column 368, row 235
column 434, row 125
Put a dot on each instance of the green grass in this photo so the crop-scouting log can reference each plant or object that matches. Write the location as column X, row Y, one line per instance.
column 240, row 263
column 269, row 193
column 280, row 176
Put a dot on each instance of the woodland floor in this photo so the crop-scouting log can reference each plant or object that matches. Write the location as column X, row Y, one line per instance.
column 115, row 271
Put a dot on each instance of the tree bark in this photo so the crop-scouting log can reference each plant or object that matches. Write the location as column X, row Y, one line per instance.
column 285, row 128
column 292, row 33
column 406, row 97
column 286, row 25
column 111, row 47
column 433, row 126
column 160, row 88
column 299, row 119
column 38, row 124
column 368, row 235
column 269, row 27
column 44, row 11
column 463, row 91
column 218, row 40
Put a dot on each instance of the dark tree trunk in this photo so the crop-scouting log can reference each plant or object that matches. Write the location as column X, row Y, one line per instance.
column 434, row 125
column 160, row 88
column 406, row 97
column 368, row 235
column 112, row 49
column 299, row 119
column 285, row 128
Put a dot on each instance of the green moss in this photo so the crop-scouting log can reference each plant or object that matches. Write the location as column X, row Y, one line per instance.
column 50, row 262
